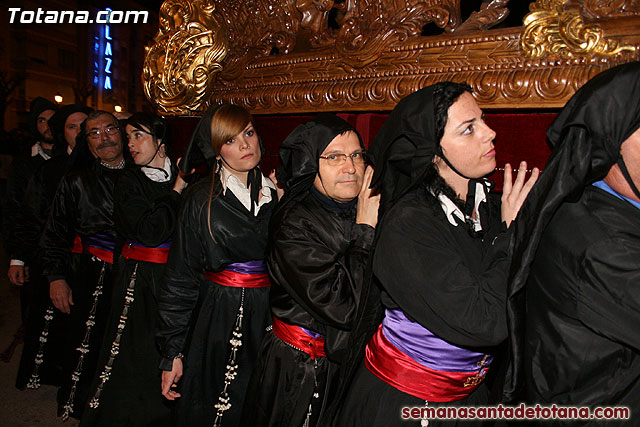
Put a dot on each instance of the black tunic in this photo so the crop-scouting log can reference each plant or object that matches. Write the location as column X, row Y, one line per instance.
column 583, row 306
column 36, row 206
column 83, row 205
column 317, row 264
column 145, row 212
column 441, row 277
column 22, row 170
column 197, row 316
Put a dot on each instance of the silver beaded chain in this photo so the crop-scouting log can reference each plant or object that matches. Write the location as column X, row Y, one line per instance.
column 84, row 347
column 34, row 381
column 232, row 368
column 115, row 345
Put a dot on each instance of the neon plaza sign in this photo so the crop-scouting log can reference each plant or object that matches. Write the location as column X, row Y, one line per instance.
column 103, row 62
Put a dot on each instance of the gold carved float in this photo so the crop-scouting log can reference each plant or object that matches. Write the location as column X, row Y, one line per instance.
column 293, row 56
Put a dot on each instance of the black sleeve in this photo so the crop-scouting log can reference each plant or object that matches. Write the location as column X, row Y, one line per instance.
column 325, row 283
column 59, row 231
column 180, row 290
column 608, row 292
column 30, row 224
column 426, row 275
column 19, row 176
column 150, row 221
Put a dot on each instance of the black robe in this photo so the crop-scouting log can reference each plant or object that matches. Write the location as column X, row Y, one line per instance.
column 317, row 265
column 198, row 316
column 22, row 170
column 583, row 307
column 83, row 205
column 442, row 278
column 36, row 207
column 145, row 212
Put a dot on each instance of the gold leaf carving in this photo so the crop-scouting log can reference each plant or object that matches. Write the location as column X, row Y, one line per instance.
column 594, row 9
column 373, row 27
column 185, row 58
column 292, row 56
column 552, row 29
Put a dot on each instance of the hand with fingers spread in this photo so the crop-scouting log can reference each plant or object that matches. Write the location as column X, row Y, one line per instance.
column 170, row 380
column 61, row 295
column 368, row 201
column 514, row 193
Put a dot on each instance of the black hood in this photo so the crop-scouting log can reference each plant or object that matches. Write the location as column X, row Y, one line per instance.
column 586, row 138
column 405, row 146
column 301, row 150
column 57, row 121
column 37, row 106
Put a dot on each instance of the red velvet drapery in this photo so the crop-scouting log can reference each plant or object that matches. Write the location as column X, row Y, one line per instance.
column 520, row 136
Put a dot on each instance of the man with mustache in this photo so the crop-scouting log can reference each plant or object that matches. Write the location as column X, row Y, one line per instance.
column 83, row 206
column 22, row 169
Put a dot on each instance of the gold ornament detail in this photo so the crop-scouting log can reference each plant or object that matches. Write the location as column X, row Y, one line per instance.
column 553, row 29
column 185, row 58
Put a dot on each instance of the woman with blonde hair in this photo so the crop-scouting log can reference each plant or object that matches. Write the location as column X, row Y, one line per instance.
column 214, row 305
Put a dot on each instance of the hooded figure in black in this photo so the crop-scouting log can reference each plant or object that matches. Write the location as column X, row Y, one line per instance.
column 126, row 386
column 214, row 302
column 83, row 206
column 40, row 361
column 320, row 239
column 442, row 263
column 22, row 169
column 578, row 252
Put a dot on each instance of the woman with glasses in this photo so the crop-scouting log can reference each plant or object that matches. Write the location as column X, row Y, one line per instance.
column 441, row 259
column 125, row 390
column 214, row 303
column 321, row 235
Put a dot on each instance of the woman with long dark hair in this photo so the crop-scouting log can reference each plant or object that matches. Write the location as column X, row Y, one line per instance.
column 146, row 199
column 214, row 306
column 441, row 259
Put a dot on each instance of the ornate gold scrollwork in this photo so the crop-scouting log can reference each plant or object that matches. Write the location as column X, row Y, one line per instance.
column 610, row 8
column 186, row 57
column 552, row 29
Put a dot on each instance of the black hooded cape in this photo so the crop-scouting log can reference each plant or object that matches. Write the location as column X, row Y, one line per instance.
column 439, row 275
column 581, row 246
column 316, row 263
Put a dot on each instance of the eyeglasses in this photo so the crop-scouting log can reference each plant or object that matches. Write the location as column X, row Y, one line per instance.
column 95, row 134
column 337, row 159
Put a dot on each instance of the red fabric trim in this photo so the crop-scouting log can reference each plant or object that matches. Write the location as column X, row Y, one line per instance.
column 104, row 255
column 238, row 280
column 77, row 245
column 405, row 374
column 155, row 255
column 296, row 337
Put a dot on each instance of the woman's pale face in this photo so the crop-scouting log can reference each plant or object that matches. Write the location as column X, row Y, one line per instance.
column 242, row 152
column 467, row 141
column 143, row 148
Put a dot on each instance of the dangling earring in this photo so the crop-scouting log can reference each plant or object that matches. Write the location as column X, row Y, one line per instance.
column 218, row 165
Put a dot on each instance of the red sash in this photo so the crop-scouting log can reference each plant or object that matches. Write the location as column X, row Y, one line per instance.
column 103, row 254
column 77, row 245
column 299, row 339
column 238, row 280
column 138, row 253
column 405, row 374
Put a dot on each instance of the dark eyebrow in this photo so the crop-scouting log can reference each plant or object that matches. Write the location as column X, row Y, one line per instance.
column 465, row 123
